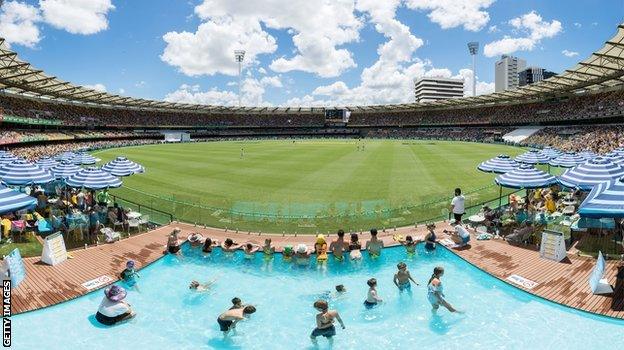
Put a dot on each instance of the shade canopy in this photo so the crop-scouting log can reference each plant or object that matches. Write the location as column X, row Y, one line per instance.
column 532, row 157
column 64, row 170
column 551, row 153
column 606, row 200
column 500, row 164
column 526, row 176
column 7, row 158
column 594, row 171
column 587, row 154
column 84, row 159
column 12, row 200
column 94, row 179
column 615, row 157
column 121, row 166
column 21, row 173
column 567, row 160
column 46, row 162
column 65, row 156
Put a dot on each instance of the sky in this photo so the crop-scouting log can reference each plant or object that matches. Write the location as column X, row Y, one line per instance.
column 298, row 52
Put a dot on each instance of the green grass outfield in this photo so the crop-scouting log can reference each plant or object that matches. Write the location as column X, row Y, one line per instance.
column 308, row 185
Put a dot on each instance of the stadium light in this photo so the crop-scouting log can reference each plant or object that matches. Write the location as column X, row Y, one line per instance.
column 239, row 56
column 473, row 48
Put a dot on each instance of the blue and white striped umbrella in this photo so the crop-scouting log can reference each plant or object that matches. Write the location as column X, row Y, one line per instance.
column 615, row 157
column 84, row 159
column 65, row 156
column 551, row 153
column 500, row 164
column 21, row 172
column 7, row 158
column 532, row 157
column 567, row 160
column 606, row 200
column 587, row 154
column 594, row 171
column 121, row 166
column 65, row 169
column 12, row 200
column 94, row 179
column 526, row 176
column 46, row 162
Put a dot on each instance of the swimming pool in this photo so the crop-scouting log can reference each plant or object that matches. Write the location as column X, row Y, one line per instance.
column 170, row 316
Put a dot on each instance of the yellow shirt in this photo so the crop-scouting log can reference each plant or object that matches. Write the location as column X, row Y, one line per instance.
column 6, row 227
column 550, row 205
column 537, row 194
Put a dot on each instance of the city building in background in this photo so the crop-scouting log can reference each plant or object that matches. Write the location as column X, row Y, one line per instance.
column 533, row 75
column 431, row 89
column 506, row 73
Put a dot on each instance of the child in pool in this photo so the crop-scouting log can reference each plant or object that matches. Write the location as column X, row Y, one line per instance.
column 321, row 249
column 409, row 244
column 267, row 249
column 402, row 278
column 339, row 293
column 129, row 274
column 250, row 249
column 201, row 287
column 288, row 253
column 372, row 299
column 237, row 303
column 355, row 247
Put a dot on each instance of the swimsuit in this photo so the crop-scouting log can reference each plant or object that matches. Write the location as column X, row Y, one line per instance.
column 325, row 332
column 173, row 249
column 129, row 277
column 339, row 257
column 430, row 244
column 322, row 253
column 431, row 293
column 405, row 285
column 369, row 305
column 224, row 325
column 109, row 321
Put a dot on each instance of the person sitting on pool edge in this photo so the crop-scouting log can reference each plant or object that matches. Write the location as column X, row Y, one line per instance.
column 129, row 274
column 402, row 278
column 325, row 321
column 173, row 242
column 355, row 247
column 113, row 309
column 227, row 320
column 374, row 245
column 302, row 255
column 320, row 248
column 338, row 247
column 372, row 299
column 208, row 245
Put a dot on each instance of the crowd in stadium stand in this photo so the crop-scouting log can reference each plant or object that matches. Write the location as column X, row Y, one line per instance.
column 34, row 152
column 598, row 105
column 475, row 134
column 599, row 139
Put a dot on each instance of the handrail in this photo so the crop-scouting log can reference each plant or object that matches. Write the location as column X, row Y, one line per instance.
column 139, row 205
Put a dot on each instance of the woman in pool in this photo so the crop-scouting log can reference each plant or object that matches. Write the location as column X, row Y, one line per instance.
column 113, row 308
column 229, row 246
column 302, row 255
column 430, row 238
column 208, row 245
column 320, row 247
column 325, row 321
column 129, row 274
column 250, row 249
column 355, row 247
column 435, row 293
column 288, row 253
column 195, row 239
column 372, row 299
column 173, row 242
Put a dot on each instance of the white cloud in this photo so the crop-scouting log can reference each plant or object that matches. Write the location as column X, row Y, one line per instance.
column 493, row 29
column 262, row 70
column 122, row 91
column 577, row 25
column 318, row 28
column 140, row 84
column 96, row 87
column 77, row 16
column 454, row 13
column 17, row 24
column 568, row 53
column 273, row 81
column 535, row 29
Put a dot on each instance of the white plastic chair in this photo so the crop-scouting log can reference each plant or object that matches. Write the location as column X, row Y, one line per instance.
column 134, row 223
column 144, row 221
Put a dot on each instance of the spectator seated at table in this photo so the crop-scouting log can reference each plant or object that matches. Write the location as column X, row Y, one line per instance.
column 521, row 216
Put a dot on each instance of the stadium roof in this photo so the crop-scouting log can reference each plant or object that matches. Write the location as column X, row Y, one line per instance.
column 603, row 69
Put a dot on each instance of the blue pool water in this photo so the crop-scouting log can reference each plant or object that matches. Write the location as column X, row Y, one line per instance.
column 497, row 316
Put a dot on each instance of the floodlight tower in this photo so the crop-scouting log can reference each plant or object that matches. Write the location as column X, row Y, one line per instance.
column 239, row 56
column 473, row 48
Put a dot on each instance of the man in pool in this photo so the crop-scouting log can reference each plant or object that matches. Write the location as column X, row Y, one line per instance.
column 325, row 321
column 402, row 278
column 375, row 245
column 227, row 321
column 337, row 247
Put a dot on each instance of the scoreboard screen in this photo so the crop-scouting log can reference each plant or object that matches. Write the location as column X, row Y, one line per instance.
column 334, row 113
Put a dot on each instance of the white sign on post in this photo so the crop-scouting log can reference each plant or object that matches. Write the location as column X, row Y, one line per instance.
column 54, row 251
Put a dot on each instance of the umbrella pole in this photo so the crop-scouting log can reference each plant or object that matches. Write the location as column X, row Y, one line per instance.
column 500, row 196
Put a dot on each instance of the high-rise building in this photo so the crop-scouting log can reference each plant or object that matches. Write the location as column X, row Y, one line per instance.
column 533, row 75
column 506, row 72
column 431, row 89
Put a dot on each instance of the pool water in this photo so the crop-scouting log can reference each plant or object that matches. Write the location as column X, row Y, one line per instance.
column 170, row 316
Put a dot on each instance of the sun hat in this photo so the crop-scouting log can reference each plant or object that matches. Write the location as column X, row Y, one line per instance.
column 195, row 237
column 320, row 239
column 288, row 248
column 302, row 248
column 130, row 264
column 115, row 293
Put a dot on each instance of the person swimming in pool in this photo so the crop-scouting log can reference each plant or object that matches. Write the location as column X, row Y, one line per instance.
column 374, row 245
column 227, row 320
column 409, row 244
column 339, row 246
column 430, row 238
column 202, row 287
column 402, row 278
column 320, row 248
column 372, row 299
column 129, row 274
column 250, row 249
column 208, row 245
column 325, row 322
column 435, row 293
column 229, row 246
column 339, row 293
column 355, row 247
column 237, row 303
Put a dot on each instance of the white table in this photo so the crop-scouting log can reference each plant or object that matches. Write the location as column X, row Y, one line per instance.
column 133, row 215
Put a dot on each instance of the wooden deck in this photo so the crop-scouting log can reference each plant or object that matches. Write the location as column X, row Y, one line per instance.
column 564, row 283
